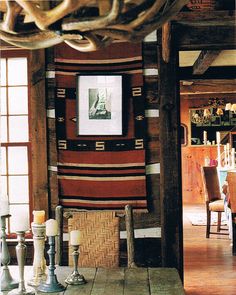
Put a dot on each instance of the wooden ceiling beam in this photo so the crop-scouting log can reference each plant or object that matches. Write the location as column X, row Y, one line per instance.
column 204, row 61
column 201, row 18
column 204, row 37
column 217, row 72
column 198, row 87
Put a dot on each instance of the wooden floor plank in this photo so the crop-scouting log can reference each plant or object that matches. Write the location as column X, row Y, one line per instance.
column 136, row 282
column 107, row 280
column 209, row 266
column 165, row 281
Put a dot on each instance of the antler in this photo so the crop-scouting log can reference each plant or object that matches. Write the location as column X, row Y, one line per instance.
column 85, row 25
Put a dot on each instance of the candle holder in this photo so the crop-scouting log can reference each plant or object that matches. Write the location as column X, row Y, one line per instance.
column 39, row 263
column 7, row 282
column 75, row 278
column 51, row 285
column 21, row 254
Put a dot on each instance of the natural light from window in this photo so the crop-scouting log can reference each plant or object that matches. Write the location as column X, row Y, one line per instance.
column 15, row 136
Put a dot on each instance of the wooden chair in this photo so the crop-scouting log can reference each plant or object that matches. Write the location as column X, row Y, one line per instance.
column 100, row 235
column 231, row 179
column 214, row 203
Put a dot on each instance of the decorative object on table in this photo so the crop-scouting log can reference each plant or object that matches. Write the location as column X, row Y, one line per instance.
column 51, row 285
column 7, row 282
column 21, row 254
column 75, row 278
column 39, row 235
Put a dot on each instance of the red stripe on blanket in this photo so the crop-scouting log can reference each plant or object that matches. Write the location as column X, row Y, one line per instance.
column 105, row 189
column 135, row 156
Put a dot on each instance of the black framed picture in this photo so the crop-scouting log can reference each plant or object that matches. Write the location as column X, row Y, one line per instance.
column 99, row 104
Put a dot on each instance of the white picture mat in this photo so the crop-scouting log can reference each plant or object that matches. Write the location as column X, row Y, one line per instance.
column 87, row 126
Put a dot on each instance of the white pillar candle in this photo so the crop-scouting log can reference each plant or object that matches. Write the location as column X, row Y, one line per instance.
column 75, row 237
column 23, row 223
column 228, row 153
column 233, row 157
column 204, row 137
column 51, row 227
column 4, row 206
column 225, row 156
column 218, row 137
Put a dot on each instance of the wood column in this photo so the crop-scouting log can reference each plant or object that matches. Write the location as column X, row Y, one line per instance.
column 38, row 131
column 170, row 153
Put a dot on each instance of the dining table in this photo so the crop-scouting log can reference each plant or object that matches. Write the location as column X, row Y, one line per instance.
column 116, row 281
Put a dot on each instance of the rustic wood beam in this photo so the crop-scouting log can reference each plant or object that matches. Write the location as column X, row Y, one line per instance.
column 166, row 41
column 211, row 18
column 170, row 160
column 205, row 37
column 38, row 131
column 204, row 61
column 224, row 72
column 209, row 86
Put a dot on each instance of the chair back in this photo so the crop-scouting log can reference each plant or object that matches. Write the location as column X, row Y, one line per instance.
column 211, row 183
column 231, row 178
column 100, row 238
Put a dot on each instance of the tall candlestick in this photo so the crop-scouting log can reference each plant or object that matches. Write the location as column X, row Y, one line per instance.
column 75, row 278
column 21, row 254
column 51, row 285
column 7, row 282
column 39, row 263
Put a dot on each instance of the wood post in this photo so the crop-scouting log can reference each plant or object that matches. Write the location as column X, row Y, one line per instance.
column 38, row 131
column 170, row 158
column 59, row 240
column 130, row 235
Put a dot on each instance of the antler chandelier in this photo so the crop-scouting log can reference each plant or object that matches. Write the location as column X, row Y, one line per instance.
column 85, row 25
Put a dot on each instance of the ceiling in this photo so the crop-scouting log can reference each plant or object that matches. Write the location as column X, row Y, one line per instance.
column 225, row 58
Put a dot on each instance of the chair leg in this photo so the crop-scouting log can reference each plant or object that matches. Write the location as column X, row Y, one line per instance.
column 219, row 222
column 208, row 226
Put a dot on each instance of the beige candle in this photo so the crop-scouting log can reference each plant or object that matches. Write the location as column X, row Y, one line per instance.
column 75, row 237
column 51, row 228
column 39, row 216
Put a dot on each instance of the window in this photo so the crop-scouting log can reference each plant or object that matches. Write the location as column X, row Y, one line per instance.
column 15, row 135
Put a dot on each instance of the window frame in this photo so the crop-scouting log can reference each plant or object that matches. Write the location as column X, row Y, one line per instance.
column 37, row 153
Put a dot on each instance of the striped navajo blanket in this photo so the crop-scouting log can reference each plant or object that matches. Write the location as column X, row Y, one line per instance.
column 101, row 172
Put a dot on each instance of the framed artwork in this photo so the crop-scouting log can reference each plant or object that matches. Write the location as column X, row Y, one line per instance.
column 99, row 105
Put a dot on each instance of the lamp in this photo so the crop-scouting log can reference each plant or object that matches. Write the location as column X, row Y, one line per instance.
column 228, row 106
column 214, row 107
column 233, row 108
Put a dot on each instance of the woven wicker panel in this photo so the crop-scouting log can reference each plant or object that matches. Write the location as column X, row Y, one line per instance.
column 100, row 238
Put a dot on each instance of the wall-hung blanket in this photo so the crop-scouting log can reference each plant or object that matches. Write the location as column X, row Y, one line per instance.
column 101, row 172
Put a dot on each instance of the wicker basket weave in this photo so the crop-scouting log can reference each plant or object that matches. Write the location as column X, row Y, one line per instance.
column 100, row 238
